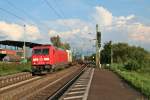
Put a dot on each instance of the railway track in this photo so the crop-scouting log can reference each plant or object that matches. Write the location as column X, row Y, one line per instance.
column 38, row 87
column 77, row 88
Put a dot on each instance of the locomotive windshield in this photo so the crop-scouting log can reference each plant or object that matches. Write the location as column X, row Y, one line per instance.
column 41, row 51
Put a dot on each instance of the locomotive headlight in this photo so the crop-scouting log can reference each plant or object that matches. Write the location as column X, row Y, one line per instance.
column 46, row 59
column 35, row 59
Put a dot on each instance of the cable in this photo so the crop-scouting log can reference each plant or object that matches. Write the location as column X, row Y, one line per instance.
column 51, row 7
column 59, row 15
column 4, row 10
column 24, row 12
column 60, row 10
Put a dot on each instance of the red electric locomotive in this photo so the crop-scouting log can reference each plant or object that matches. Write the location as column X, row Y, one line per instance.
column 47, row 58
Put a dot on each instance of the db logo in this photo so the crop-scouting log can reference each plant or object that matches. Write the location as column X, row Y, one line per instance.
column 41, row 59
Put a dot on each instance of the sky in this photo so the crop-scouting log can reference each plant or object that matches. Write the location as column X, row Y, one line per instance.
column 75, row 20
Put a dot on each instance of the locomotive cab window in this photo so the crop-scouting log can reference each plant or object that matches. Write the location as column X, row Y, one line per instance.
column 45, row 51
column 37, row 51
column 41, row 51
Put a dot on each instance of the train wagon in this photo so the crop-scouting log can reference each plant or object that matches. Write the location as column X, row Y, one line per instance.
column 47, row 58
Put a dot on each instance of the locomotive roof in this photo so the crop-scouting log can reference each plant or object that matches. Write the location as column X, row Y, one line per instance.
column 18, row 43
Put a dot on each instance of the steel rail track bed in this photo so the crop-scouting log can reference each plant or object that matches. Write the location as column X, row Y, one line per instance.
column 76, row 88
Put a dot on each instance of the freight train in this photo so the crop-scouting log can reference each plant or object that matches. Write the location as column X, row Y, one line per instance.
column 47, row 58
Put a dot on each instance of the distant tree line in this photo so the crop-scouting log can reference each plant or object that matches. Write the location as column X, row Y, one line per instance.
column 132, row 57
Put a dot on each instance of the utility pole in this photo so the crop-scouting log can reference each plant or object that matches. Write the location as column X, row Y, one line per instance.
column 24, row 44
column 98, row 46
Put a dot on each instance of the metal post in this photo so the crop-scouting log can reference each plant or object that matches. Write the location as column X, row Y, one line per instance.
column 24, row 46
column 111, row 52
column 98, row 43
column 97, row 57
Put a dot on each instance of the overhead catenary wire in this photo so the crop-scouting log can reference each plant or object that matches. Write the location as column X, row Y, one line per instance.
column 51, row 7
column 60, row 10
column 61, row 16
column 8, row 12
column 56, row 12
column 34, row 19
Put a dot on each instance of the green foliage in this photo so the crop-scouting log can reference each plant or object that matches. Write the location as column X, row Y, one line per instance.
column 120, row 52
column 134, row 58
column 123, row 52
column 106, row 54
column 65, row 46
column 139, row 80
column 56, row 41
column 11, row 68
column 132, row 65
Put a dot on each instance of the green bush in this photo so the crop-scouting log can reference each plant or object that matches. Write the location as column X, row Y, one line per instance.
column 11, row 68
column 139, row 80
column 132, row 65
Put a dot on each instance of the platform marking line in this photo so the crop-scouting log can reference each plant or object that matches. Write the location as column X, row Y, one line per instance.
column 83, row 79
column 78, row 88
column 76, row 92
column 88, row 87
column 73, row 97
column 81, row 82
column 79, row 85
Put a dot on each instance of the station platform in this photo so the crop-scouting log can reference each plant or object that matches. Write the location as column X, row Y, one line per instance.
column 106, row 85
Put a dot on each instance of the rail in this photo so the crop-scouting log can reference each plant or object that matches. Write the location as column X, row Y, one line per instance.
column 60, row 91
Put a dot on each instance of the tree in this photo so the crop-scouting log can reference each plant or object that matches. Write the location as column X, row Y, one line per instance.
column 106, row 53
column 65, row 46
column 56, row 41
column 132, row 57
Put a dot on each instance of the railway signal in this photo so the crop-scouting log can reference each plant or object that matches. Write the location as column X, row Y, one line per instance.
column 99, row 38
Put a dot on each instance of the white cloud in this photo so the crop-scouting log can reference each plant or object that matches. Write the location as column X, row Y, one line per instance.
column 68, row 35
column 121, row 26
column 71, row 28
column 102, row 16
column 140, row 32
column 33, row 32
column 75, row 31
column 117, row 28
column 14, row 31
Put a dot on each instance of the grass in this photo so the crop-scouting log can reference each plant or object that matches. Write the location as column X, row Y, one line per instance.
column 12, row 68
column 138, row 79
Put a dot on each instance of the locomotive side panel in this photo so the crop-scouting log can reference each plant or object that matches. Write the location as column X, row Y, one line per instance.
column 49, row 58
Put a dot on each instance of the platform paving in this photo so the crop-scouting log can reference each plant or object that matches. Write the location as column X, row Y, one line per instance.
column 106, row 85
